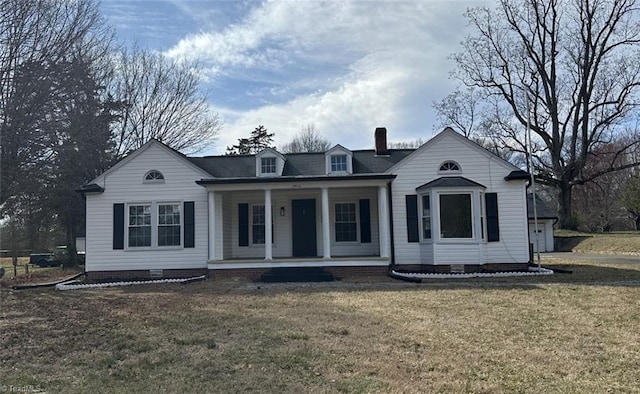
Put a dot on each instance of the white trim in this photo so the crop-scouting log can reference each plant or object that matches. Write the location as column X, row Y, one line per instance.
column 211, row 201
column 268, row 226
column 326, row 229
column 383, row 221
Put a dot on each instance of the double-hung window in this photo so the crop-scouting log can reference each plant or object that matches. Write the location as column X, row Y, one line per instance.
column 154, row 225
column 345, row 222
column 338, row 163
column 169, row 225
column 268, row 165
column 258, row 221
column 426, row 217
column 257, row 224
column 139, row 225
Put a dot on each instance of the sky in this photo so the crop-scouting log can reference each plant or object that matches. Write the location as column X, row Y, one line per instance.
column 345, row 67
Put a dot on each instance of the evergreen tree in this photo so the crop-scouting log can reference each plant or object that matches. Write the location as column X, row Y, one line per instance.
column 259, row 139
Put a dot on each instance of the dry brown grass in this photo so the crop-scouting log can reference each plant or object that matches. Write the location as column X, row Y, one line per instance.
column 567, row 333
column 624, row 242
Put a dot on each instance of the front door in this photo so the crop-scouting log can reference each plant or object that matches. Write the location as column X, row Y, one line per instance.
column 303, row 227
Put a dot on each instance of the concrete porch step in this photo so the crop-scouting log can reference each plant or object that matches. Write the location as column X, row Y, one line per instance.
column 297, row 274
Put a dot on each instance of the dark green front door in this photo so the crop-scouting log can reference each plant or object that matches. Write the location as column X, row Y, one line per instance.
column 303, row 223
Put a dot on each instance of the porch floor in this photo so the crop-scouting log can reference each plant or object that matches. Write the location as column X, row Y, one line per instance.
column 343, row 261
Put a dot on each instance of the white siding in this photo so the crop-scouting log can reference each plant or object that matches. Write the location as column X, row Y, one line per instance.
column 545, row 235
column 125, row 185
column 476, row 165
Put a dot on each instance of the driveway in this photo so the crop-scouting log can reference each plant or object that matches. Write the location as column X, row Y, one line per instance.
column 605, row 258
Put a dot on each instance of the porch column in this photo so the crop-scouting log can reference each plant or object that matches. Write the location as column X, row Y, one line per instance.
column 326, row 230
column 212, row 224
column 383, row 220
column 268, row 236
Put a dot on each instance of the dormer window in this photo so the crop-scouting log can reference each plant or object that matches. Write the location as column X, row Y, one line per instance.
column 153, row 176
column 268, row 165
column 449, row 166
column 339, row 163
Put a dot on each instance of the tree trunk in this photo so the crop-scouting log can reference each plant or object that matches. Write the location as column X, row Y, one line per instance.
column 638, row 223
column 565, row 212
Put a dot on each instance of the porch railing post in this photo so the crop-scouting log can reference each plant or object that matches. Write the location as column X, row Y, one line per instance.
column 212, row 224
column 383, row 220
column 326, row 233
column 268, row 235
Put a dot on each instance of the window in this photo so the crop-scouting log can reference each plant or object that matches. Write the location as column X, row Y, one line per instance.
column 155, row 225
column 169, row 225
column 257, row 224
column 426, row 217
column 339, row 163
column 456, row 216
column 258, row 220
column 449, row 166
column 139, row 225
column 154, row 176
column 268, row 165
column 345, row 222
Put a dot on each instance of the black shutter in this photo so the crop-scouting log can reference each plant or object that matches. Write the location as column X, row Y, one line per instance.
column 365, row 221
column 412, row 218
column 118, row 226
column 493, row 228
column 189, row 225
column 243, row 224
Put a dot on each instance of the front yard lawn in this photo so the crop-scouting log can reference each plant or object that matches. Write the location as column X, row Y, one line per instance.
column 565, row 333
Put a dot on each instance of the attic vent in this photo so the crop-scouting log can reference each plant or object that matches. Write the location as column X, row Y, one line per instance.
column 153, row 176
column 450, row 166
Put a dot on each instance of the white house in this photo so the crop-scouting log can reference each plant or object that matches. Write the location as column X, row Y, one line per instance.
column 449, row 205
column 545, row 218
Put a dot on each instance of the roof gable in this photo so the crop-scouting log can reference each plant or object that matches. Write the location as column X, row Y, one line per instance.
column 448, row 132
column 148, row 145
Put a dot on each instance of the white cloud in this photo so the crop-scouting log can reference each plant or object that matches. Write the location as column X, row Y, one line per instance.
column 345, row 66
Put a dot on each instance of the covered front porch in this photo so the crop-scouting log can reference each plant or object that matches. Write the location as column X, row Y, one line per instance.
column 342, row 221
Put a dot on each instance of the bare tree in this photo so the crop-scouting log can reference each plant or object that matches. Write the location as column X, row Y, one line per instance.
column 161, row 100
column 406, row 144
column 572, row 68
column 307, row 140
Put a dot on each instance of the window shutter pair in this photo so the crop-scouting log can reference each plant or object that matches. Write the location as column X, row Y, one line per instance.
column 119, row 224
column 491, row 204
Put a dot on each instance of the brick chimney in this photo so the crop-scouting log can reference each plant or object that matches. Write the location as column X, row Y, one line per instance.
column 381, row 141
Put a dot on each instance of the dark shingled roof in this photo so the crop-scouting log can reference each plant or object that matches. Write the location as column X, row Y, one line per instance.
column 297, row 164
column 450, row 181
column 239, row 166
column 542, row 208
